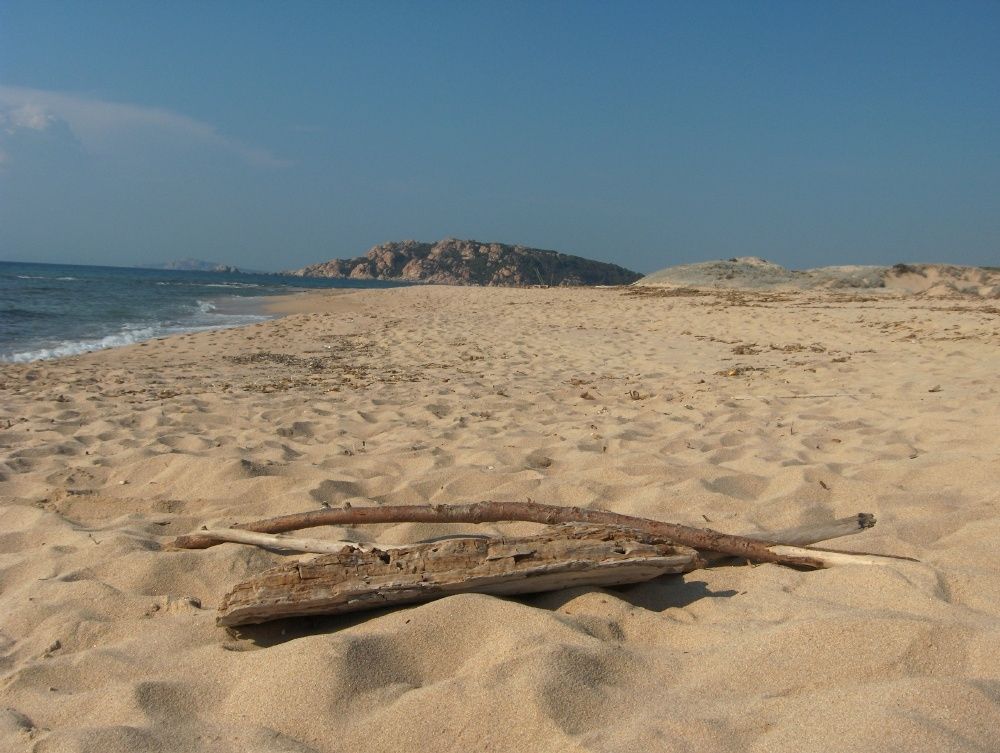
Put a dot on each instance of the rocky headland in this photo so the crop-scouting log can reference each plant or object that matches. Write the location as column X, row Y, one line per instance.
column 467, row 262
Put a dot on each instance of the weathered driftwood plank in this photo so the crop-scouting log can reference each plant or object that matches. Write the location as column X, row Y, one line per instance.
column 354, row 579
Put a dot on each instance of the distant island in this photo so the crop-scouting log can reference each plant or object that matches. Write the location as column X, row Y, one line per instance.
column 467, row 262
column 192, row 265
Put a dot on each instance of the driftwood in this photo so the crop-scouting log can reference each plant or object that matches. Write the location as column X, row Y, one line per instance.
column 587, row 548
column 287, row 543
column 354, row 579
column 832, row 557
column 702, row 539
column 816, row 532
column 792, row 537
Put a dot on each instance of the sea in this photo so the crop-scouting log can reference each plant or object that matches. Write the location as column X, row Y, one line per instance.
column 57, row 310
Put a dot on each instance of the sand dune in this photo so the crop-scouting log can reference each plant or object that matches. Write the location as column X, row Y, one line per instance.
column 944, row 280
column 747, row 409
column 754, row 273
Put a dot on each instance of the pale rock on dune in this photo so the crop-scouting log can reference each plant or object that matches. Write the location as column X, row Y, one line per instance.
column 754, row 273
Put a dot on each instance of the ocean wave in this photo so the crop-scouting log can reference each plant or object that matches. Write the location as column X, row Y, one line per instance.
column 67, row 278
column 131, row 334
column 76, row 347
column 229, row 285
column 199, row 284
column 32, row 277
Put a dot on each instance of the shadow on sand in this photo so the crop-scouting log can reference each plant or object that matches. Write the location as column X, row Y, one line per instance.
column 657, row 595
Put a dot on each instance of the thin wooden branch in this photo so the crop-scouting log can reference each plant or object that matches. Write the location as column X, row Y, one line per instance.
column 702, row 539
column 830, row 557
column 803, row 535
column 812, row 534
column 798, row 536
column 288, row 543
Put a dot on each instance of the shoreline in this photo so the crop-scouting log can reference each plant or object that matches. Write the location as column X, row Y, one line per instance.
column 53, row 311
column 254, row 309
column 305, row 301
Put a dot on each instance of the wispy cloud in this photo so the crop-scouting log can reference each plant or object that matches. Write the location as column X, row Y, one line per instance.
column 97, row 123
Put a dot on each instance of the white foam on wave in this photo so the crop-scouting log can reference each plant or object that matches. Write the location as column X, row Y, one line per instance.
column 76, row 347
column 132, row 334
column 200, row 284
column 44, row 277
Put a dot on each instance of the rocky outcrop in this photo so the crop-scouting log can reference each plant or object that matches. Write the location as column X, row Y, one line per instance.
column 459, row 262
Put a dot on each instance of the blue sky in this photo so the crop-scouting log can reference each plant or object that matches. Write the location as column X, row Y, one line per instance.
column 272, row 135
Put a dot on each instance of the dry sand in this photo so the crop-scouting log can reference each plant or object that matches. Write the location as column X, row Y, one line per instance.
column 749, row 410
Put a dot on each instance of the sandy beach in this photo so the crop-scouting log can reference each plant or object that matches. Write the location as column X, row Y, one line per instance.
column 738, row 410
